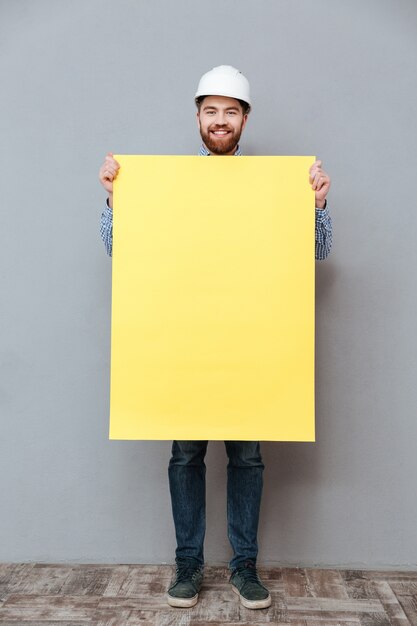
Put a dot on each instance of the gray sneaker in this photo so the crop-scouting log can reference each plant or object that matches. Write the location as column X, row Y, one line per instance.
column 186, row 583
column 246, row 583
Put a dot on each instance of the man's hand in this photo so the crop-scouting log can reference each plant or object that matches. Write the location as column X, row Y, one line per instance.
column 107, row 174
column 320, row 182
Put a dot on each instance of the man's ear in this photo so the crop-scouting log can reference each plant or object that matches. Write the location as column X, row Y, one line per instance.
column 198, row 119
column 245, row 119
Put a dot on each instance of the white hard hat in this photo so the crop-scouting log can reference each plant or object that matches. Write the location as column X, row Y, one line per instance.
column 224, row 80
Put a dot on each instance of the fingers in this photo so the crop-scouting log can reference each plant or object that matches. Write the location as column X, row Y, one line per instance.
column 314, row 168
column 108, row 171
column 318, row 177
column 110, row 166
column 320, row 180
column 110, row 160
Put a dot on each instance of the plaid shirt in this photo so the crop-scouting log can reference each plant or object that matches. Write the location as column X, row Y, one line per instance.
column 323, row 223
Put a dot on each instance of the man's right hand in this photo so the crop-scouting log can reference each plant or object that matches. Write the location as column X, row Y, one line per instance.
column 107, row 174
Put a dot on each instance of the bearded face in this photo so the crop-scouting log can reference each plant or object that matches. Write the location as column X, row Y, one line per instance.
column 221, row 122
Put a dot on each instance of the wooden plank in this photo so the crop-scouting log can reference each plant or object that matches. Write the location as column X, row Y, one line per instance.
column 139, row 576
column 391, row 575
column 42, row 601
column 326, row 583
column 175, row 617
column 11, row 576
column 122, row 618
column 221, row 605
column 142, row 618
column 354, row 621
column 271, row 573
column 110, row 618
column 276, row 613
column 18, row 622
column 9, row 571
column 374, row 619
column 31, row 614
column 134, row 603
column 87, row 580
column 296, row 583
column 252, row 621
column 404, row 588
column 43, row 580
column 159, row 571
column 216, row 573
column 358, row 585
column 391, row 605
column 23, row 608
column 334, row 605
column 320, row 618
column 325, row 621
column 119, row 574
column 409, row 605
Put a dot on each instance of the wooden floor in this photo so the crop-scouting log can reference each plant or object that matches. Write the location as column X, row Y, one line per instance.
column 122, row 595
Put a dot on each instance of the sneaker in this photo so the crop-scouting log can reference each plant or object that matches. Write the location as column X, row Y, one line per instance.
column 186, row 583
column 246, row 583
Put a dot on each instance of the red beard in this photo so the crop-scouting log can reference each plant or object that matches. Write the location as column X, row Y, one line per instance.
column 221, row 145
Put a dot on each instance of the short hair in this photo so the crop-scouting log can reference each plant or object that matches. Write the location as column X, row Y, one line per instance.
column 245, row 106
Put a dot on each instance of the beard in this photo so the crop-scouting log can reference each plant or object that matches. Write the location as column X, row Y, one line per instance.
column 221, row 145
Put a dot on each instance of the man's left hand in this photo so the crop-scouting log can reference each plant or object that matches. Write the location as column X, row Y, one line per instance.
column 320, row 182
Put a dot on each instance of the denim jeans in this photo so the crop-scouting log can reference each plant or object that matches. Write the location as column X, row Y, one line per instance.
column 187, row 482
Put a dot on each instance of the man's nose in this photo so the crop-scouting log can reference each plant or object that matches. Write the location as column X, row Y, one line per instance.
column 221, row 119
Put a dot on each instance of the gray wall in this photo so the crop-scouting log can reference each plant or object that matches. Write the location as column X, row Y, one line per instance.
column 80, row 78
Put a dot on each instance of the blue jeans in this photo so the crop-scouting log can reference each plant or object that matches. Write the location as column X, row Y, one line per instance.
column 187, row 483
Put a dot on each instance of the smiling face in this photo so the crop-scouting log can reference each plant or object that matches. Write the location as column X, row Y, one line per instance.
column 221, row 121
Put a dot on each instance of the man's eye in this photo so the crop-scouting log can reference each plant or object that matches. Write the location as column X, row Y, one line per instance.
column 232, row 112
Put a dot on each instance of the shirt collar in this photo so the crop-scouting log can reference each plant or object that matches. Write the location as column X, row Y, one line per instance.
column 204, row 152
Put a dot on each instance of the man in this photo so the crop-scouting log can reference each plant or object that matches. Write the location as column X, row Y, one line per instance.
column 223, row 105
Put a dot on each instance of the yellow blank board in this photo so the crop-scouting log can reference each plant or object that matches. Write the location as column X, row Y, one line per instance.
column 213, row 299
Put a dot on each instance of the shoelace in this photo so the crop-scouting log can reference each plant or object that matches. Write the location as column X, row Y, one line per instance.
column 248, row 572
column 186, row 570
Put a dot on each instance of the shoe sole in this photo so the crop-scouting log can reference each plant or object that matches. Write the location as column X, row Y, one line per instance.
column 182, row 603
column 253, row 604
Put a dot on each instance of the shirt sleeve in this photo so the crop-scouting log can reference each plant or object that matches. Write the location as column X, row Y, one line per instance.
column 106, row 228
column 323, row 233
